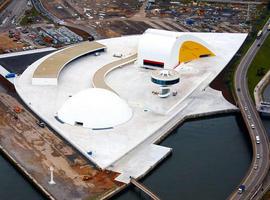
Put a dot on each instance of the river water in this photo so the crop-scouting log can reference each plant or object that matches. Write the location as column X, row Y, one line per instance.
column 210, row 156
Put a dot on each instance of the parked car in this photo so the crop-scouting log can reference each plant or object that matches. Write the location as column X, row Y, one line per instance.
column 41, row 124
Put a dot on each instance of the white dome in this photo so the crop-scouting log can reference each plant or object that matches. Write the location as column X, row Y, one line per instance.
column 95, row 108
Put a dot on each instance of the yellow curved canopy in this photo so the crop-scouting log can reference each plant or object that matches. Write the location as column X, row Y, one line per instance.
column 192, row 50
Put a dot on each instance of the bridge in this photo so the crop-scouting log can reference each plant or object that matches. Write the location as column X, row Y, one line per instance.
column 144, row 189
column 259, row 167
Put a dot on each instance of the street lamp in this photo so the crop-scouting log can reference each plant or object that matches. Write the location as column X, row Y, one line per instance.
column 51, row 182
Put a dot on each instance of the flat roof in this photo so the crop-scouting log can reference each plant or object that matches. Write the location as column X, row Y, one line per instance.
column 51, row 67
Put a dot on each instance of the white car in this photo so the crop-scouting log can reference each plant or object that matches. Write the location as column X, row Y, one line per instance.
column 258, row 139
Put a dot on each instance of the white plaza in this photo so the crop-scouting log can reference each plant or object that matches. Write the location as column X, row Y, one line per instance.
column 133, row 117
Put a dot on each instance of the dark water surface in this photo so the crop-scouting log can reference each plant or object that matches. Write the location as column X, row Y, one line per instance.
column 13, row 186
column 18, row 64
column 210, row 156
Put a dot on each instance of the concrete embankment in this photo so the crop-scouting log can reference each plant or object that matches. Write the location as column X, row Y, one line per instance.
column 195, row 116
column 258, row 91
column 25, row 173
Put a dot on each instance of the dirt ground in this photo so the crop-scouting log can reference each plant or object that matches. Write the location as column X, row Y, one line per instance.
column 68, row 9
column 8, row 43
column 118, row 28
column 37, row 149
column 79, row 32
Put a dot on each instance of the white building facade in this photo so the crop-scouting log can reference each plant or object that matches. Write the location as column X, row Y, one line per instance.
column 166, row 49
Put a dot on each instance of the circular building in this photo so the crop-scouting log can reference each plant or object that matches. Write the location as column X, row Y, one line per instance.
column 95, row 108
column 165, row 78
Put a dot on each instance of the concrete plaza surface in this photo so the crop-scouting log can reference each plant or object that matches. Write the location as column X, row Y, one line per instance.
column 130, row 148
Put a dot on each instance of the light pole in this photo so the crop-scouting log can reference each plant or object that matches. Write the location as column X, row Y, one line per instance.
column 51, row 182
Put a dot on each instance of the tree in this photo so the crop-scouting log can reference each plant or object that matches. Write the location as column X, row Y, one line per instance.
column 260, row 71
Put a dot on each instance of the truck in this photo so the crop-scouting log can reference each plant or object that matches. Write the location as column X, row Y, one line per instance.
column 259, row 34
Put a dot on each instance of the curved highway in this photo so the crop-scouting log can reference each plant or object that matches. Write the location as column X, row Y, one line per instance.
column 42, row 10
column 260, row 162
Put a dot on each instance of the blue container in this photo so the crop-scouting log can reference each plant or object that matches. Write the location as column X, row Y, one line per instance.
column 10, row 75
column 189, row 21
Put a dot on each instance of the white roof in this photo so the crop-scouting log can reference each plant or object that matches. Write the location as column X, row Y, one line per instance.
column 154, row 45
column 95, row 108
column 163, row 46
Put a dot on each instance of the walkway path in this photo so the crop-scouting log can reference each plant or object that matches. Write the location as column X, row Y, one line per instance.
column 99, row 77
column 48, row 71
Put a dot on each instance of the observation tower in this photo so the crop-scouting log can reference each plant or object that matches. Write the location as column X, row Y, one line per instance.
column 165, row 78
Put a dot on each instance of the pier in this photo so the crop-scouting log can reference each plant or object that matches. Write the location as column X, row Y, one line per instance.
column 144, row 189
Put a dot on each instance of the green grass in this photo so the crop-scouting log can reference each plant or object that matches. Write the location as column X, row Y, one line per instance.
column 256, row 26
column 229, row 77
column 29, row 17
column 259, row 66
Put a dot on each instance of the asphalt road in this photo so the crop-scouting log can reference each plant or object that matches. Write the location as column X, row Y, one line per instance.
column 12, row 14
column 12, row 65
column 40, row 8
column 260, row 166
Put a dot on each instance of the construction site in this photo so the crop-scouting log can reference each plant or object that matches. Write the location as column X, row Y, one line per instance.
column 40, row 23
column 112, row 18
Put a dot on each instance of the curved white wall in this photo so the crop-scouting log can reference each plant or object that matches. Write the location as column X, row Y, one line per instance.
column 163, row 46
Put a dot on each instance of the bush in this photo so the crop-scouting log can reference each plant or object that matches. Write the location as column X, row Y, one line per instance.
column 261, row 72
